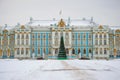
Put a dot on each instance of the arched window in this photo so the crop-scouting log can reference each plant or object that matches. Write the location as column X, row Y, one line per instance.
column 100, row 50
column 27, row 42
column 22, row 51
column 105, row 52
column 84, row 51
column 38, row 50
column 27, row 36
column 32, row 35
column 22, row 42
column 33, row 50
column 78, row 51
column 96, row 36
column 18, row 36
column 104, row 35
column 84, row 36
column 39, row 36
column 22, row 36
column 89, row 35
column 100, row 41
column 26, row 51
column 96, row 51
column 18, row 52
column 73, row 51
column 100, row 36
column 104, row 42
column 90, row 51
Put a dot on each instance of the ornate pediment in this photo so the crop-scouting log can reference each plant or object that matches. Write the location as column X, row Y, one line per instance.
column 117, row 30
column 100, row 27
column 22, row 27
column 61, row 23
column 5, row 30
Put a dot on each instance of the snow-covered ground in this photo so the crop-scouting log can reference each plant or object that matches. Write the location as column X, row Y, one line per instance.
column 59, row 69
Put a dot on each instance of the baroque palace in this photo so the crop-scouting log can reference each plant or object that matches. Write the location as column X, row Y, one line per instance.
column 83, row 38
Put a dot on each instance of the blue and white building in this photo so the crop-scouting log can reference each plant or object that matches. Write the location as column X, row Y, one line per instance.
column 41, row 39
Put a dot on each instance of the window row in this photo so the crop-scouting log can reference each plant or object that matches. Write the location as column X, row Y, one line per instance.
column 41, row 35
column 22, row 51
column 101, row 51
column 23, row 42
column 22, row 36
column 100, row 36
column 100, row 42
column 83, row 36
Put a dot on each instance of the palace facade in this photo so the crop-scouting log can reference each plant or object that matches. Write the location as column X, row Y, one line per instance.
column 41, row 39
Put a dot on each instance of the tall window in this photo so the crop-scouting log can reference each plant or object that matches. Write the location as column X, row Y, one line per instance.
column 96, row 36
column 105, row 52
column 100, row 41
column 18, row 42
column 96, row 42
column 27, row 37
column 22, row 36
column 100, row 50
column 89, row 35
column 39, row 36
column 32, row 35
column 79, row 36
column 33, row 50
column 18, row 52
column 18, row 36
column 100, row 35
column 27, row 42
column 38, row 50
column 73, row 36
column 90, row 51
column 84, row 36
column 96, row 51
column 104, row 42
column 104, row 35
column 26, row 51
column 22, row 42
column 22, row 51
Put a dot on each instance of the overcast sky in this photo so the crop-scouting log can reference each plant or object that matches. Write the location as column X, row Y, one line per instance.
column 103, row 11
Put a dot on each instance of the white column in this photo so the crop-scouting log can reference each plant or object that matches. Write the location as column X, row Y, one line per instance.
column 24, row 39
column 107, row 39
column 64, row 37
column 53, row 41
column 70, row 52
column 20, row 39
column 16, row 39
column 94, row 39
column 29, row 39
column 98, row 39
column 103, row 39
column 103, row 51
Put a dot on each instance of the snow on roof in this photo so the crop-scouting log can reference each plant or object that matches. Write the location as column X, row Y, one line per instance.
column 53, row 22
column 80, row 23
column 42, row 22
column 7, row 27
column 114, row 27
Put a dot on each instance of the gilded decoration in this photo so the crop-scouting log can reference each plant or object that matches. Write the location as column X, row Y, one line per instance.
column 61, row 23
column 100, row 27
column 5, row 30
column 117, row 30
column 22, row 27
